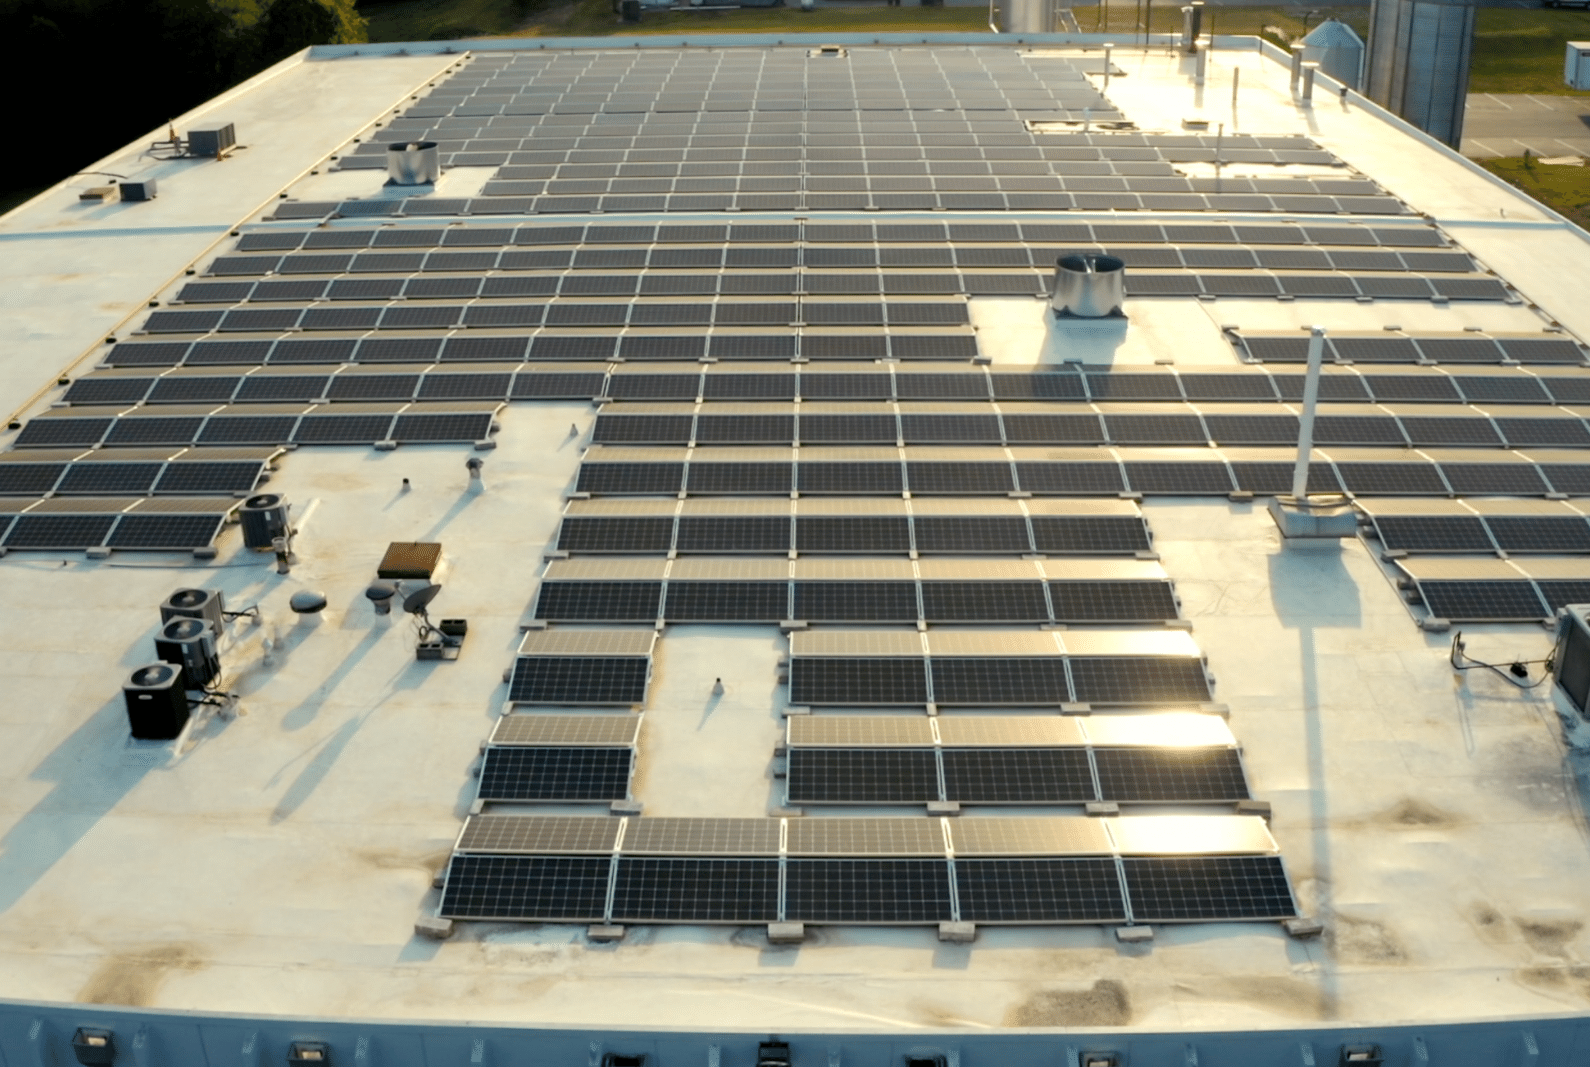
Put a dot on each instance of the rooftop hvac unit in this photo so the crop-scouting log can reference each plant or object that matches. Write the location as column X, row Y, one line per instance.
column 206, row 604
column 1576, row 65
column 1572, row 658
column 264, row 518
column 212, row 139
column 190, row 643
column 157, row 702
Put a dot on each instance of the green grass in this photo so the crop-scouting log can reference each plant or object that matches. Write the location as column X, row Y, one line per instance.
column 426, row 20
column 1520, row 50
column 1123, row 17
column 438, row 20
column 1564, row 189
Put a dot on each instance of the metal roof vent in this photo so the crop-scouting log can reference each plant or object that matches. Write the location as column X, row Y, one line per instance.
column 831, row 51
column 413, row 163
column 1089, row 286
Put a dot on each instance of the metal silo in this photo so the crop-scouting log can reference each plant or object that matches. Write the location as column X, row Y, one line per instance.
column 1338, row 51
column 1418, row 63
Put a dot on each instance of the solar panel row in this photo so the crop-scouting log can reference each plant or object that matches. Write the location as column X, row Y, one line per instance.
column 321, row 425
column 961, row 237
column 1491, row 474
column 1090, row 535
column 1015, row 775
column 998, row 681
column 1149, row 601
column 888, row 891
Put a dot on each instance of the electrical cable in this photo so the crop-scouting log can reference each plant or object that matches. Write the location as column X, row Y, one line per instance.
column 1515, row 672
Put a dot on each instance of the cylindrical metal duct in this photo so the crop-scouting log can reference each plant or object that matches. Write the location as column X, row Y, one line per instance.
column 1309, row 70
column 1192, row 26
column 1027, row 16
column 413, row 163
column 264, row 518
column 1298, row 48
column 1088, row 286
column 1417, row 65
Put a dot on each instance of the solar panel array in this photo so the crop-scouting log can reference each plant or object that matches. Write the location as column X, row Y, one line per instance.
column 890, row 871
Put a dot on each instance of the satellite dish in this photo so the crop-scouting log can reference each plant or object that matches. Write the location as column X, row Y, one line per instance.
column 416, row 602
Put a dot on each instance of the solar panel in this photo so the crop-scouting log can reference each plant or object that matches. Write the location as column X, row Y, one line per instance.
column 984, row 602
column 1086, row 479
column 1170, row 775
column 1272, row 478
column 1540, row 533
column 527, row 888
column 59, row 531
column 1018, row 776
column 739, row 478
column 563, row 773
column 598, row 601
column 688, row 601
column 604, row 534
column 1139, row 680
column 1434, row 533
column 871, row 479
column 1092, row 534
column 760, row 534
column 1483, row 601
column 1558, row 594
column 172, row 532
column 857, row 681
column 856, row 601
column 696, row 890
column 1037, row 387
column 867, row 891
column 199, row 477
column 1392, row 479
column 1194, row 888
column 449, row 426
column 1113, row 601
column 620, row 479
column 109, row 478
column 1494, row 479
column 1155, row 429
column 1039, row 890
column 959, row 478
column 153, row 431
column 848, row 534
column 579, row 680
column 29, row 479
column 1000, row 681
column 971, row 534
column 863, row 776
column 1187, row 478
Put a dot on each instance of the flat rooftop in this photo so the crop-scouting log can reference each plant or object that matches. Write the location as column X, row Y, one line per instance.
column 866, row 545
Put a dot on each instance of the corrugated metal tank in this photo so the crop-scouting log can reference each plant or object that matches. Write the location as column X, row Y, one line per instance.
column 1027, row 16
column 1338, row 51
column 1418, row 62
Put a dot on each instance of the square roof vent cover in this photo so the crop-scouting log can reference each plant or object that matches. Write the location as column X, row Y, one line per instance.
column 409, row 559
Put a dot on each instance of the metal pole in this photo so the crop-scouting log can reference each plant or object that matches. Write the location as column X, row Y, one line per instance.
column 1236, row 80
column 1107, row 48
column 1200, row 64
column 1220, row 136
column 1305, row 429
column 1087, row 120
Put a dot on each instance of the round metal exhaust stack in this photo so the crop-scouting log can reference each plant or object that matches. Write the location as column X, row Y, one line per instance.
column 1088, row 286
column 413, row 163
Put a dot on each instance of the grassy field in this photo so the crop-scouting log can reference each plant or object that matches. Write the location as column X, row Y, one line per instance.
column 1565, row 189
column 424, row 20
column 1520, row 50
column 1515, row 50
column 1123, row 17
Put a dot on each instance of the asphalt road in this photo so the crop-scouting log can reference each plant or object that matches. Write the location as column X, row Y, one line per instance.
column 1504, row 124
